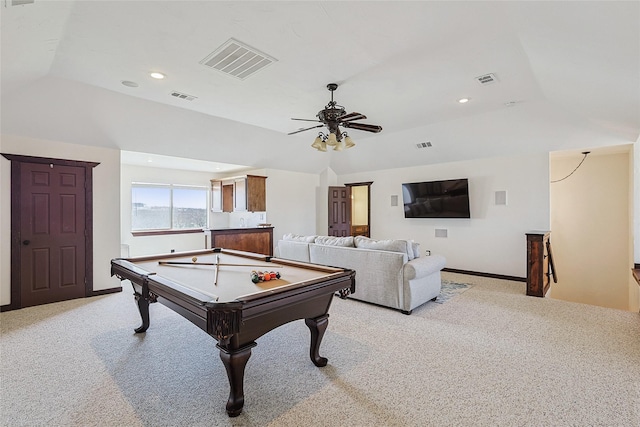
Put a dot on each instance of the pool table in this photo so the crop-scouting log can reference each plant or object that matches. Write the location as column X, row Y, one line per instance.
column 214, row 289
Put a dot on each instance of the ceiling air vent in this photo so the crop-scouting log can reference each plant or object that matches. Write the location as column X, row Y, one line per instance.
column 487, row 79
column 184, row 96
column 237, row 59
column 424, row 144
column 17, row 2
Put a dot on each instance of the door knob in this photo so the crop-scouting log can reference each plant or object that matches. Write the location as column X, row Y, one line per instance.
column 26, row 242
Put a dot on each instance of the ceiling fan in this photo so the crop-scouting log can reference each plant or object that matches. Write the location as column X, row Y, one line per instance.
column 333, row 116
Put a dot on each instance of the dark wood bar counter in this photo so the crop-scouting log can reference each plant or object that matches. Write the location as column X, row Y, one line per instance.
column 249, row 239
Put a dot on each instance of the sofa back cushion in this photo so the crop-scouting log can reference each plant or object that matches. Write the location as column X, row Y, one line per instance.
column 299, row 238
column 294, row 250
column 390, row 245
column 346, row 241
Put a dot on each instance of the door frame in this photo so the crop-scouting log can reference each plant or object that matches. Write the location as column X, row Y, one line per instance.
column 16, row 221
column 368, row 185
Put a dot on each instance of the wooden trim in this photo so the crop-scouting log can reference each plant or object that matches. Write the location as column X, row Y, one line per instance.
column 15, row 233
column 165, row 232
column 16, row 163
column 358, row 184
column 368, row 184
column 491, row 275
column 45, row 160
column 106, row 291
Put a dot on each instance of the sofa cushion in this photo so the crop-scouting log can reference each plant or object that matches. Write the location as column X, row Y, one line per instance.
column 416, row 249
column 346, row 241
column 292, row 249
column 299, row 238
column 391, row 245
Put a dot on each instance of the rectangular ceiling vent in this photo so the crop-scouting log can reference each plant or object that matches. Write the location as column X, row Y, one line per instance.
column 237, row 59
column 424, row 144
column 184, row 96
column 17, row 2
column 487, row 79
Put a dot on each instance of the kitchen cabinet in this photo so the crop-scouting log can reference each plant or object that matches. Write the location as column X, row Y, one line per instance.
column 239, row 194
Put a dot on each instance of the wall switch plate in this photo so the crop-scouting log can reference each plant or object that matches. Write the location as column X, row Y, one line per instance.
column 394, row 200
column 501, row 198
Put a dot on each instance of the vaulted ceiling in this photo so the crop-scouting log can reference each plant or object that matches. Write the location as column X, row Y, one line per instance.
column 567, row 76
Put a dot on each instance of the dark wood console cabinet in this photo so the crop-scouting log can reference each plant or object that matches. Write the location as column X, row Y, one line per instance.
column 257, row 240
column 540, row 267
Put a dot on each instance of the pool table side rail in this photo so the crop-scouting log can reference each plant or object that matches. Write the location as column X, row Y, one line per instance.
column 126, row 270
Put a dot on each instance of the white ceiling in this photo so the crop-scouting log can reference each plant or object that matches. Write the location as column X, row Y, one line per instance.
column 568, row 78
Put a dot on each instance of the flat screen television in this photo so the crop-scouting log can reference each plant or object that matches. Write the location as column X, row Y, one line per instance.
column 436, row 199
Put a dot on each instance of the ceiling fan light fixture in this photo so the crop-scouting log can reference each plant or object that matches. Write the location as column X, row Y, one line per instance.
column 332, row 140
column 348, row 142
column 317, row 143
column 335, row 116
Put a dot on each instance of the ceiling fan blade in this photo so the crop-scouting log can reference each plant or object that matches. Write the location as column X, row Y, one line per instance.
column 362, row 126
column 302, row 130
column 351, row 116
column 306, row 120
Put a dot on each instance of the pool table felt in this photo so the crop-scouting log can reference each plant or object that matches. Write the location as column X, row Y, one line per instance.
column 234, row 282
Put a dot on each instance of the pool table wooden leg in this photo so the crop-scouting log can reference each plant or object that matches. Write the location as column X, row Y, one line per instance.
column 234, row 362
column 143, row 300
column 317, row 326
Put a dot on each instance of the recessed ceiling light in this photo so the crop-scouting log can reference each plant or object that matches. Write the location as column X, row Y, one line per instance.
column 463, row 100
column 129, row 83
column 158, row 76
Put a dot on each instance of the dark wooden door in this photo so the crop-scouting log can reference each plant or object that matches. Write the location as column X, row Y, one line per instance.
column 339, row 211
column 52, row 233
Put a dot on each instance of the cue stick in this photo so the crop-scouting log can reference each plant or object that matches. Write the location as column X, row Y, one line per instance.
column 215, row 277
column 220, row 264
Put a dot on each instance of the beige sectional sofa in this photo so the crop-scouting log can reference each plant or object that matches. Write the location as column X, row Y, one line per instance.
column 391, row 273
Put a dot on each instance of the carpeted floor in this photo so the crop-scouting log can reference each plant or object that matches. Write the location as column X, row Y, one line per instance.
column 489, row 356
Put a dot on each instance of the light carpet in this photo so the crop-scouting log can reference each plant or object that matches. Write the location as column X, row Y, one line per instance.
column 490, row 356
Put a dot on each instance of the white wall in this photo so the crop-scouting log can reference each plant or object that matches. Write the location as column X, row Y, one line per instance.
column 291, row 202
column 636, row 204
column 634, row 292
column 493, row 240
column 328, row 178
column 591, row 229
column 106, row 204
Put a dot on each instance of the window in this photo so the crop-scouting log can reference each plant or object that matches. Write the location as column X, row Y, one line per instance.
column 168, row 207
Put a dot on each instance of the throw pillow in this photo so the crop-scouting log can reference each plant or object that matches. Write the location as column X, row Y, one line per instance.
column 299, row 238
column 385, row 245
column 416, row 249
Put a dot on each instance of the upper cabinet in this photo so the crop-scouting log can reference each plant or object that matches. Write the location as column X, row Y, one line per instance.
column 246, row 193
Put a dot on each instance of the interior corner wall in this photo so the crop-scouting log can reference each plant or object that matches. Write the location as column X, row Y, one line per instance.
column 591, row 229
column 634, row 291
column 106, row 203
column 636, row 199
column 291, row 202
column 328, row 178
column 493, row 240
column 5, row 227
